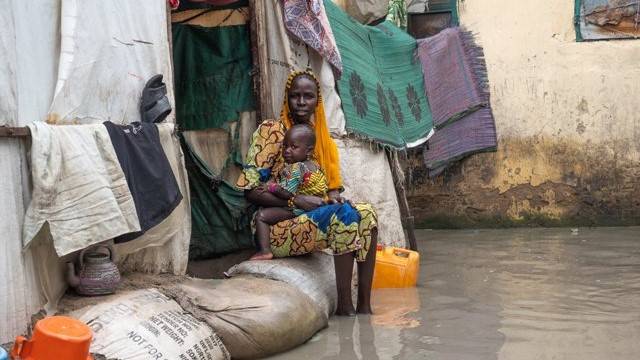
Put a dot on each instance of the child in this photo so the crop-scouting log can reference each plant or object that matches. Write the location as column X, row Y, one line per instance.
column 301, row 175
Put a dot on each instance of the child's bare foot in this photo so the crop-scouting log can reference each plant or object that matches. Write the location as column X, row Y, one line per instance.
column 262, row 256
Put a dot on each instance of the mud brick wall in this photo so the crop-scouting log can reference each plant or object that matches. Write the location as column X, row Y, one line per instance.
column 568, row 121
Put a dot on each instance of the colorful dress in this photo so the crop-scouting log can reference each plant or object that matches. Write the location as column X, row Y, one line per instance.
column 335, row 226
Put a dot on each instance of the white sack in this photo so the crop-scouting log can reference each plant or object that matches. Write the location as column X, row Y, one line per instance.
column 314, row 275
column 367, row 178
column 144, row 325
column 364, row 11
column 287, row 54
column 79, row 188
column 109, row 50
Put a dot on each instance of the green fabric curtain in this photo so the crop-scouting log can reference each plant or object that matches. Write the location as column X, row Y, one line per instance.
column 382, row 87
column 220, row 214
column 212, row 68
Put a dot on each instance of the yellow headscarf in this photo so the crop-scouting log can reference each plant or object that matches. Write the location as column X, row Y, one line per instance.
column 326, row 151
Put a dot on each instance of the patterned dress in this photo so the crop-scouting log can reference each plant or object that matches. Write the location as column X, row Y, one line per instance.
column 330, row 226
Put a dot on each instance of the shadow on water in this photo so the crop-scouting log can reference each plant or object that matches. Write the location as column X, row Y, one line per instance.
column 502, row 294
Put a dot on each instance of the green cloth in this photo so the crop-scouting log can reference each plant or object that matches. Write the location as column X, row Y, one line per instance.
column 382, row 87
column 220, row 214
column 212, row 67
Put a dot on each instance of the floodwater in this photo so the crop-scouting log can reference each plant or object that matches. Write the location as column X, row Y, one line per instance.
column 502, row 294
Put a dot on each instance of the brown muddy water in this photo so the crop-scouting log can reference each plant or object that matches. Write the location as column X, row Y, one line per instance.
column 502, row 294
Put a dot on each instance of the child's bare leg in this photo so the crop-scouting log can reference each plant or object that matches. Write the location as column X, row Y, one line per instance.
column 264, row 219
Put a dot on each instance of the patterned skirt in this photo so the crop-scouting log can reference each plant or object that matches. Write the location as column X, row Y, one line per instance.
column 339, row 227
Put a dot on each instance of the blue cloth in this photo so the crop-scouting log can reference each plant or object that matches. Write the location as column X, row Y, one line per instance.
column 322, row 216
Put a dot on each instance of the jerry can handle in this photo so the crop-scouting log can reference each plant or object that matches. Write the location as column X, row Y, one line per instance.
column 106, row 246
column 16, row 351
column 402, row 253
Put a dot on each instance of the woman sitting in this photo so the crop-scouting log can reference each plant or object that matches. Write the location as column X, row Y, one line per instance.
column 304, row 234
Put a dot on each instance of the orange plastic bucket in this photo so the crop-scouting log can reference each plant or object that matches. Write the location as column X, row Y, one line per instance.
column 55, row 338
column 395, row 268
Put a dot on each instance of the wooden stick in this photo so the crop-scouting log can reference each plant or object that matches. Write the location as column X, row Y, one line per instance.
column 405, row 212
column 15, row 132
column 260, row 61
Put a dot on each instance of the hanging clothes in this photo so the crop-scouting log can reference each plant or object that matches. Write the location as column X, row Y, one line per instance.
column 79, row 187
column 149, row 176
column 455, row 76
column 307, row 20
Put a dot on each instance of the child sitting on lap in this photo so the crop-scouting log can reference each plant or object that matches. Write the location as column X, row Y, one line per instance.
column 301, row 175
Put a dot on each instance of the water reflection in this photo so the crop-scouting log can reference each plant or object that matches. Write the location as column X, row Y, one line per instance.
column 503, row 294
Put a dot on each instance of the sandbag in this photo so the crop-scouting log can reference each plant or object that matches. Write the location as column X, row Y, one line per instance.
column 145, row 324
column 314, row 275
column 255, row 317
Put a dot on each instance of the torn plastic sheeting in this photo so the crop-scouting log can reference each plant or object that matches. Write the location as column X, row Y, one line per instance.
column 101, row 73
column 314, row 275
column 255, row 317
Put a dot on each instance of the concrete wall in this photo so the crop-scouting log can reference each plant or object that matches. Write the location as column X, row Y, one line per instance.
column 568, row 123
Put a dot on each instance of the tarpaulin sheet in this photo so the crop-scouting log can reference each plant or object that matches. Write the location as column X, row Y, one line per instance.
column 381, row 87
column 367, row 178
column 212, row 74
column 29, row 47
column 109, row 49
column 220, row 213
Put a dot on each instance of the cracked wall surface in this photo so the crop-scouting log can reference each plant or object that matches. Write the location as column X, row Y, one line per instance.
column 568, row 122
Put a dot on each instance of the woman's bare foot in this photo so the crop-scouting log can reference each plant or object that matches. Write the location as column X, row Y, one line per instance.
column 347, row 310
column 364, row 309
column 262, row 256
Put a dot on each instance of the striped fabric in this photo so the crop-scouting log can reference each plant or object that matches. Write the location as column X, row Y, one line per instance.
column 456, row 84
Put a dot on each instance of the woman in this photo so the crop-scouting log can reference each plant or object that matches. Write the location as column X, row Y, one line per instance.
column 301, row 235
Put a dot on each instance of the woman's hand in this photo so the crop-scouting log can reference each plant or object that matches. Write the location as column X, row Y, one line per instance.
column 308, row 202
column 336, row 198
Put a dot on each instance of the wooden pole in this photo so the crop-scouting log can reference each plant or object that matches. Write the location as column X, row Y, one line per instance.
column 405, row 212
column 260, row 56
column 15, row 132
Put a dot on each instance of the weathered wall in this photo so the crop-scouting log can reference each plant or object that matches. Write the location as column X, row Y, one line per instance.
column 568, row 123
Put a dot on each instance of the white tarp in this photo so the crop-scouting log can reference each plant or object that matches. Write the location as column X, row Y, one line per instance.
column 29, row 46
column 109, row 50
column 367, row 178
column 287, row 54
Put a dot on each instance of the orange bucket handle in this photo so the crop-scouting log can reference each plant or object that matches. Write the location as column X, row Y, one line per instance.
column 16, row 351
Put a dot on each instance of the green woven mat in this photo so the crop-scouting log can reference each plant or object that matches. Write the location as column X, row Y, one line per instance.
column 382, row 88
column 220, row 215
column 212, row 68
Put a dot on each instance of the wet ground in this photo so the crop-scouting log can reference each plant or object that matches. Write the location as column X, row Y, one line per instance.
column 503, row 294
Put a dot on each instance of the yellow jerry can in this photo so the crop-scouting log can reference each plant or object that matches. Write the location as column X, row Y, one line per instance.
column 395, row 268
